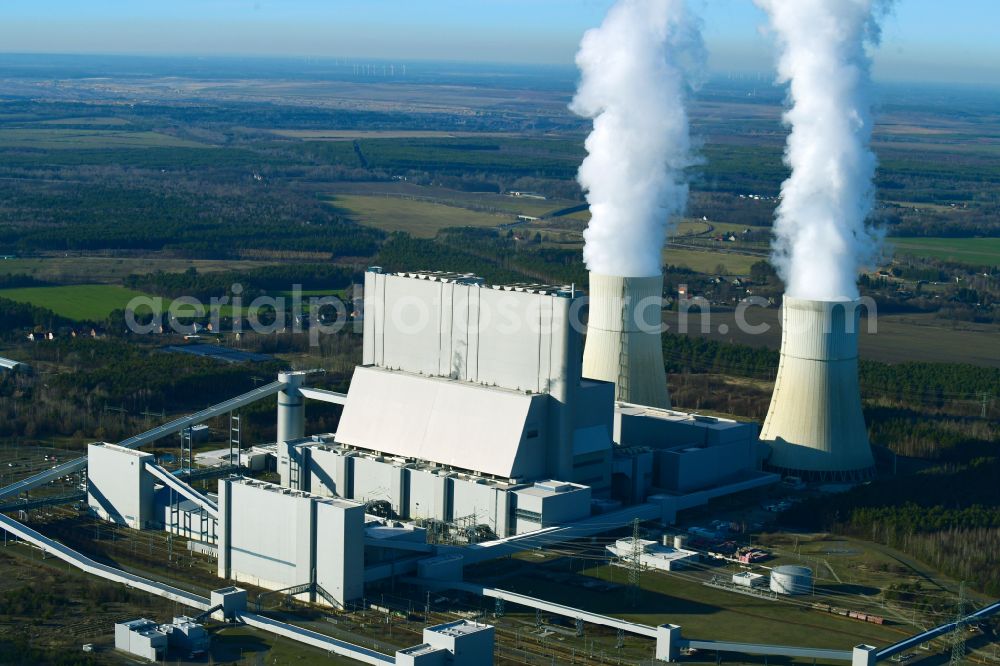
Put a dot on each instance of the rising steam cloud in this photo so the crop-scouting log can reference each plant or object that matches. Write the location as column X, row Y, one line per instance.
column 635, row 74
column 821, row 235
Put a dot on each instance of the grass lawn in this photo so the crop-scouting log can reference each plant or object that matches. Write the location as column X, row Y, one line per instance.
column 971, row 251
column 93, row 302
column 421, row 219
column 708, row 613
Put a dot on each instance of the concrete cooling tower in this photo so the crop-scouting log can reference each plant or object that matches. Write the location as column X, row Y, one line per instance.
column 814, row 425
column 623, row 338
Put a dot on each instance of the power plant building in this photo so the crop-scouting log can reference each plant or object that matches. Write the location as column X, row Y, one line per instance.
column 471, row 415
column 471, row 403
column 276, row 538
column 461, row 643
column 118, row 488
column 142, row 638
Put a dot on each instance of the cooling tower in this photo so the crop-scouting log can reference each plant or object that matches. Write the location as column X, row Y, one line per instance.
column 814, row 425
column 623, row 338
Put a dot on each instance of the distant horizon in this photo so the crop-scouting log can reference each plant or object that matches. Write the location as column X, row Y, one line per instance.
column 922, row 40
column 767, row 76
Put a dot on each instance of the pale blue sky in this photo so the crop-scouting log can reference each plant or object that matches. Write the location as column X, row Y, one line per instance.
column 940, row 40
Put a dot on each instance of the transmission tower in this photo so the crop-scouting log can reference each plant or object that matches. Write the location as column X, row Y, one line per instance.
column 635, row 564
column 958, row 636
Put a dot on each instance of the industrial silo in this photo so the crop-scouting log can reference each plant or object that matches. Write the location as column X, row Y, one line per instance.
column 814, row 425
column 791, row 579
column 623, row 338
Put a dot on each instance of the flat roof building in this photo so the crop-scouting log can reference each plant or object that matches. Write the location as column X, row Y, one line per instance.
column 276, row 538
column 142, row 638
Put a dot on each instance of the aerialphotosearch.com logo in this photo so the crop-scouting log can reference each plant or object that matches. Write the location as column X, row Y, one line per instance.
column 508, row 313
column 264, row 315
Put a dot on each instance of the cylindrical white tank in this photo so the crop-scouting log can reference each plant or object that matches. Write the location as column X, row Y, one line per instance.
column 623, row 338
column 814, row 425
column 291, row 408
column 791, row 579
column 680, row 541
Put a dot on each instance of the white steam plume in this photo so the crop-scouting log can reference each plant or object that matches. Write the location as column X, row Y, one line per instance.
column 635, row 73
column 821, row 236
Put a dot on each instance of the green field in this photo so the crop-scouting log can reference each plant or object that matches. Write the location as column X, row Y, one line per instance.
column 74, row 139
column 705, row 261
column 92, row 302
column 421, row 219
column 971, row 251
column 83, row 269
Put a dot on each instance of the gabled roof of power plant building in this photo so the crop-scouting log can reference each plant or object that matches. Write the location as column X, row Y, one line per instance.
column 452, row 423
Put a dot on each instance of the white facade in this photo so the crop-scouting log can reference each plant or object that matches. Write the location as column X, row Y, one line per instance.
column 461, row 643
column 496, row 431
column 425, row 491
column 275, row 538
column 654, row 556
column 186, row 635
column 623, row 338
column 549, row 503
column 749, row 579
column 690, row 452
column 513, row 337
column 118, row 488
column 141, row 638
column 814, row 425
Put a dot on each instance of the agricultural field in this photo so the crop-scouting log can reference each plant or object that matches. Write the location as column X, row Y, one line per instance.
column 99, row 269
column 75, row 139
column 421, row 219
column 84, row 302
column 980, row 252
column 898, row 338
column 351, row 135
column 706, row 261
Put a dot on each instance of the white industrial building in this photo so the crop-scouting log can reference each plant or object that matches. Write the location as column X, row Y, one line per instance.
column 469, row 414
column 119, row 489
column 749, row 579
column 461, row 643
column 277, row 538
column 471, row 395
column 142, row 638
column 686, row 452
column 415, row 489
column 653, row 555
column 149, row 640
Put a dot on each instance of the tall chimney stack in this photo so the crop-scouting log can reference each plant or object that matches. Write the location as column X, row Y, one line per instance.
column 623, row 338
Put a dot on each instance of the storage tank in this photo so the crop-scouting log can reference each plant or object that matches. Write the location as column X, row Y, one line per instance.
column 814, row 425
column 623, row 338
column 680, row 541
column 792, row 579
